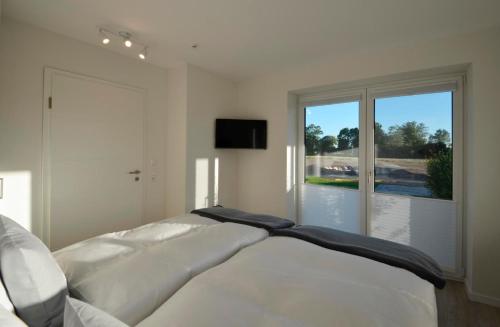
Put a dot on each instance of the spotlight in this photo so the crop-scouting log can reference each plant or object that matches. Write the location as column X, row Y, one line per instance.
column 126, row 38
column 104, row 34
column 143, row 53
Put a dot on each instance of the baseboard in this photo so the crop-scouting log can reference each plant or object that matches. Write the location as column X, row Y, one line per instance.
column 481, row 298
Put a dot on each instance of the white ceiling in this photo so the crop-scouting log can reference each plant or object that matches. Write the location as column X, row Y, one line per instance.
column 245, row 38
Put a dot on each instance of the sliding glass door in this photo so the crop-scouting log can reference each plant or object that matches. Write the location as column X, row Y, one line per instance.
column 331, row 189
column 389, row 165
column 414, row 190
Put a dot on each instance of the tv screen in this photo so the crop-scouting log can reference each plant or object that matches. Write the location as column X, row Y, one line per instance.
column 240, row 134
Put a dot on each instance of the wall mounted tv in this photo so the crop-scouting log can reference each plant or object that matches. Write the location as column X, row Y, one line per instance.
column 240, row 134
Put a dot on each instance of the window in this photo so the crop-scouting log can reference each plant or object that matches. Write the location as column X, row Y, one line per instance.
column 385, row 160
column 413, row 145
column 332, row 145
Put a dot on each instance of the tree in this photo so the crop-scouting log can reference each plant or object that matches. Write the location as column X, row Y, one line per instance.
column 327, row 144
column 413, row 133
column 312, row 134
column 343, row 139
column 348, row 138
column 380, row 135
column 354, row 138
column 440, row 171
column 440, row 136
column 394, row 136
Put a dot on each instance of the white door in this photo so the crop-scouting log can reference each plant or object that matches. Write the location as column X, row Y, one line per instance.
column 93, row 157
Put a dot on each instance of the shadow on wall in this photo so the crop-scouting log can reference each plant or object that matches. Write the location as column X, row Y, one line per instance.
column 16, row 197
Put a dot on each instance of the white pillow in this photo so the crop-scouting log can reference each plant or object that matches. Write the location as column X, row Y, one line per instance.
column 4, row 299
column 35, row 283
column 81, row 314
column 8, row 319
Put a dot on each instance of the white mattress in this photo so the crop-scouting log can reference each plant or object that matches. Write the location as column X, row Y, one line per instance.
column 288, row 282
column 129, row 274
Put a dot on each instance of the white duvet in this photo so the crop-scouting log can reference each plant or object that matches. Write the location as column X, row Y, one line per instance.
column 283, row 281
column 129, row 274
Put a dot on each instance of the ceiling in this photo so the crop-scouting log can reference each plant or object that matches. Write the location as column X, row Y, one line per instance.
column 245, row 38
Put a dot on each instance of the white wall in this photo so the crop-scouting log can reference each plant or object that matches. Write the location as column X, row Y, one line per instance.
column 263, row 185
column 198, row 174
column 176, row 142
column 182, row 104
column 211, row 173
column 24, row 52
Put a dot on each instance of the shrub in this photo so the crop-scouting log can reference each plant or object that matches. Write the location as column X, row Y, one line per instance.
column 440, row 171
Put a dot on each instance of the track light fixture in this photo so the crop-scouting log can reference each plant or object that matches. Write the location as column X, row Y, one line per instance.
column 106, row 35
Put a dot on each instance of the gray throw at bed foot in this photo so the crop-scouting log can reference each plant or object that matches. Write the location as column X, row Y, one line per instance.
column 391, row 253
column 241, row 217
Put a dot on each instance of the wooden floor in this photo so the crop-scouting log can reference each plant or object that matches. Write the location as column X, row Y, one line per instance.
column 455, row 309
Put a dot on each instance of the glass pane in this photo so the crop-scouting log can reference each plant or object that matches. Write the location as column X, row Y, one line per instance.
column 331, row 145
column 413, row 145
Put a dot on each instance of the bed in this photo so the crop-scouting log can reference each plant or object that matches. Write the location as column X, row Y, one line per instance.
column 131, row 273
column 196, row 271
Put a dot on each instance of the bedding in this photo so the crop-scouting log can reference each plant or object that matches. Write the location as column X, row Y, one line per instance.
column 83, row 258
column 4, row 299
column 81, row 314
column 197, row 271
column 241, row 217
column 129, row 274
column 34, row 282
column 391, row 253
column 8, row 319
column 283, row 281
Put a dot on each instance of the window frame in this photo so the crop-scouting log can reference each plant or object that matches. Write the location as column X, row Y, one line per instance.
column 325, row 98
column 366, row 92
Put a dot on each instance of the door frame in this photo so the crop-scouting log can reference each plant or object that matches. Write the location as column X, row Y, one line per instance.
column 48, row 74
column 384, row 87
column 325, row 98
column 455, row 84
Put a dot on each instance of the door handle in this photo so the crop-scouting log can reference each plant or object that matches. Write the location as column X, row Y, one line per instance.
column 134, row 172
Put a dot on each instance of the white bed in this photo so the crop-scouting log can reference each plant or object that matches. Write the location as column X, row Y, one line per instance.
column 129, row 274
column 193, row 271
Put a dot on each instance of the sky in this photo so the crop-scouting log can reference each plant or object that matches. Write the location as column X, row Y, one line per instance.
column 432, row 109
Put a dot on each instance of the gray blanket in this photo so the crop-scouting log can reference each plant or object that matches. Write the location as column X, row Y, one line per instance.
column 222, row 214
column 391, row 253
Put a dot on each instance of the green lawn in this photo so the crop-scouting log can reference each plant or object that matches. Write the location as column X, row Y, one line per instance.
column 342, row 182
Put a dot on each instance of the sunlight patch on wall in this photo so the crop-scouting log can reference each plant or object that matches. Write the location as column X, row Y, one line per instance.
column 201, row 183
column 16, row 200
column 290, row 164
column 216, row 181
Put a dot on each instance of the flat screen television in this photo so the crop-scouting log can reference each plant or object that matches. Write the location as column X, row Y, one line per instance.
column 240, row 134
